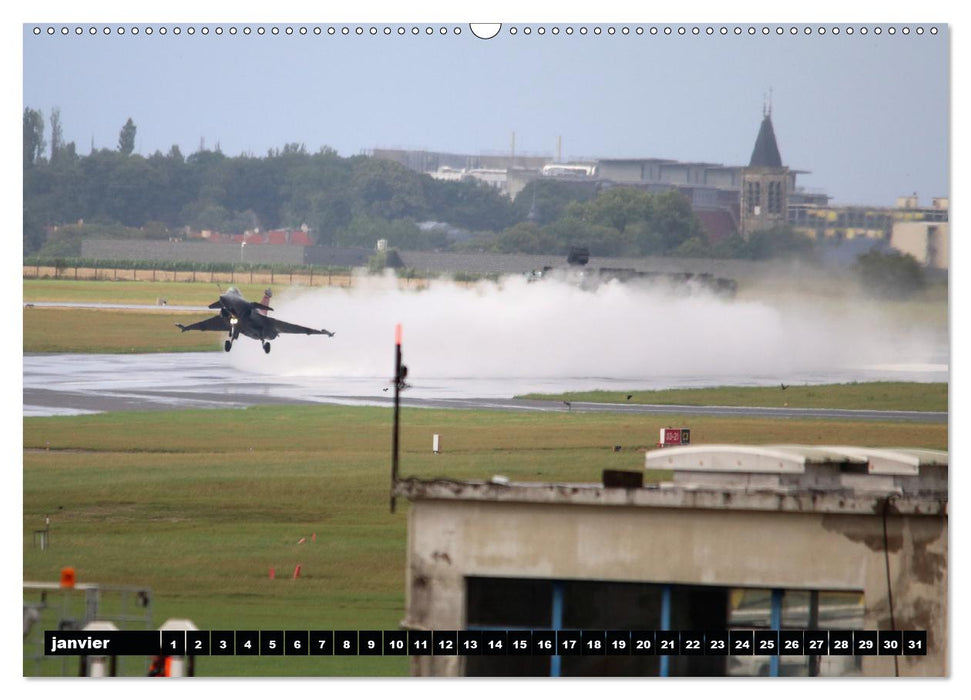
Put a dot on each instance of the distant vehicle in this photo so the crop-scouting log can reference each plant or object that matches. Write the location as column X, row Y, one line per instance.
column 236, row 315
column 578, row 256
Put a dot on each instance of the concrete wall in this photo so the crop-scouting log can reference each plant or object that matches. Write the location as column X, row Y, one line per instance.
column 231, row 253
column 485, row 263
column 779, row 271
column 728, row 178
column 622, row 171
column 195, row 251
column 927, row 241
column 476, row 263
column 449, row 540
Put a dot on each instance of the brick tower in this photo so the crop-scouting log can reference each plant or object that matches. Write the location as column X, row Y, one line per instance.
column 765, row 184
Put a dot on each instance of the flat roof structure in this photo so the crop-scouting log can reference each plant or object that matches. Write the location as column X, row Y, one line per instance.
column 828, row 537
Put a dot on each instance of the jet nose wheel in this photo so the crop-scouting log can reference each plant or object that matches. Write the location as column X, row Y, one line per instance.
column 266, row 348
column 228, row 345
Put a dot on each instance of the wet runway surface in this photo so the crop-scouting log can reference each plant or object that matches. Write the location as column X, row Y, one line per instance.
column 74, row 384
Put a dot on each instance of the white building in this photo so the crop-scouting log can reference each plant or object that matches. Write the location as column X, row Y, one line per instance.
column 763, row 539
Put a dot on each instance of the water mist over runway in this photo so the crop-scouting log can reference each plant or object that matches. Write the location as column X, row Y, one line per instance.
column 516, row 330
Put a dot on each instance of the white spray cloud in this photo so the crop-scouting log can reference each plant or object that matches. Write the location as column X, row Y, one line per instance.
column 517, row 329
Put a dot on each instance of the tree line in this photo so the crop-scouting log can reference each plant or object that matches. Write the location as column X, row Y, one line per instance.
column 351, row 201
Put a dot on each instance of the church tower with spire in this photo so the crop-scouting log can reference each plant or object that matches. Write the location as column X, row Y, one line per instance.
column 765, row 183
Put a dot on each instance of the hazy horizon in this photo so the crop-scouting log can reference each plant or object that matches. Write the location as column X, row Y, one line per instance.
column 862, row 117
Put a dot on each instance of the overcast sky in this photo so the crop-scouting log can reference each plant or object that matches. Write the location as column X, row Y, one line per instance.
column 866, row 115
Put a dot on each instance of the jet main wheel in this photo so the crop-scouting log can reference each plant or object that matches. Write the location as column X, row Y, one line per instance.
column 228, row 345
column 266, row 348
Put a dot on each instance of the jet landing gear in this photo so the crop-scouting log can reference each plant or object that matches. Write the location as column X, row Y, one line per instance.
column 233, row 335
column 228, row 345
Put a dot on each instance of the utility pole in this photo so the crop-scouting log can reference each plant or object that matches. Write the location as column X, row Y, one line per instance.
column 400, row 373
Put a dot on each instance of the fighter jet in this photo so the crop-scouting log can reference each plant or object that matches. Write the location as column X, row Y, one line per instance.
column 236, row 315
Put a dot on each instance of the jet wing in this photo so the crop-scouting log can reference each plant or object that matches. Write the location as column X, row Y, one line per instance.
column 284, row 327
column 216, row 323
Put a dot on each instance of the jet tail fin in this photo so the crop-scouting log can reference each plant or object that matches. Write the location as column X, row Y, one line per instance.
column 265, row 302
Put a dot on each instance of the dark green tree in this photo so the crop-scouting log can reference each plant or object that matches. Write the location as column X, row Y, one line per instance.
column 543, row 201
column 34, row 144
column 57, row 134
column 387, row 190
column 528, row 237
column 674, row 220
column 132, row 192
column 202, row 175
column 174, row 193
column 253, row 184
column 33, row 233
column 616, row 207
column 779, row 242
column 693, row 248
column 95, row 173
column 318, row 194
column 126, row 139
column 645, row 223
column 732, row 246
column 468, row 203
column 892, row 275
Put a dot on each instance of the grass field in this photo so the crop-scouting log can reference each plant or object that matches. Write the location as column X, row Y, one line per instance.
column 63, row 330
column 877, row 396
column 130, row 292
column 101, row 331
column 199, row 505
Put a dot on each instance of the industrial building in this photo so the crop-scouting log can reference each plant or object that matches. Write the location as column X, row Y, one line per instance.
column 788, row 538
column 728, row 199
